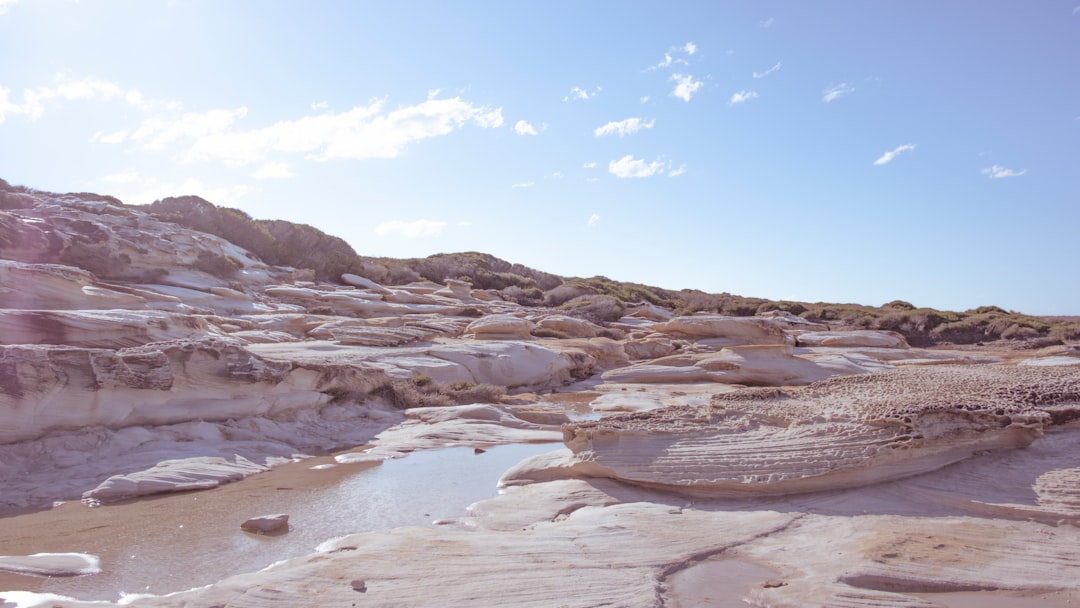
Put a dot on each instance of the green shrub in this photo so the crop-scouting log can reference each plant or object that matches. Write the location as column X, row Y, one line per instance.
column 216, row 265
column 596, row 308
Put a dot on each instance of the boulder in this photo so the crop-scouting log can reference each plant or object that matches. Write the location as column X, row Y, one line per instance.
column 853, row 339
column 720, row 330
column 359, row 281
column 500, row 327
column 266, row 524
column 572, row 327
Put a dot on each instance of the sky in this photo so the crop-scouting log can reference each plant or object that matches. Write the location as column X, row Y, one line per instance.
column 837, row 151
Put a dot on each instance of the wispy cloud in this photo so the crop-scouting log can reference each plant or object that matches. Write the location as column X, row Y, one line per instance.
column 523, row 185
column 628, row 166
column 6, row 4
column 34, row 102
column 594, row 219
column 677, row 172
column 580, row 94
column 117, row 137
column 410, row 230
column 121, row 178
column 685, row 86
column 998, row 172
column 319, row 105
column 888, row 157
column 676, row 55
column 624, row 127
column 590, row 165
column 522, row 127
column 273, row 171
column 768, row 22
column 771, row 70
column 360, row 133
column 836, row 92
column 742, row 96
column 644, row 99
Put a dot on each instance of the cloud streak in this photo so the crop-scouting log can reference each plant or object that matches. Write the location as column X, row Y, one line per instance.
column 835, row 92
column 888, row 157
column 410, row 230
column 364, row 132
column 742, row 97
column 522, row 127
column 771, row 70
column 624, row 127
column 999, row 172
column 580, row 94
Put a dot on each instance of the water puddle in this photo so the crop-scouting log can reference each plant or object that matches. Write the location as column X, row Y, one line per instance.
column 718, row 583
column 181, row 541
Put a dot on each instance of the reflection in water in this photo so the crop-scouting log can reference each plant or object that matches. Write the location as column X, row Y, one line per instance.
column 188, row 540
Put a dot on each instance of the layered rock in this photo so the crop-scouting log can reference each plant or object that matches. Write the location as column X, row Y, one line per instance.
column 843, row 432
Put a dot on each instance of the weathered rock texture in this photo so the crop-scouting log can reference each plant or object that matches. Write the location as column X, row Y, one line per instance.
column 840, row 433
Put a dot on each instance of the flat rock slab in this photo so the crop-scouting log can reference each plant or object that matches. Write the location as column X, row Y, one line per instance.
column 51, row 564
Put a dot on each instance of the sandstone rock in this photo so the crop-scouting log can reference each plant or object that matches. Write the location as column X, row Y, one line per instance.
column 758, row 365
column 840, row 433
column 460, row 290
column 51, row 564
column 500, row 327
column 362, row 283
column 854, row 339
column 649, row 348
column 57, row 287
column 97, row 328
column 724, row 331
column 647, row 310
column 572, row 327
column 266, row 524
column 789, row 321
column 174, row 476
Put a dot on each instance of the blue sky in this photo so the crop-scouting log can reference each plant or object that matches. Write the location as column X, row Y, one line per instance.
column 840, row 151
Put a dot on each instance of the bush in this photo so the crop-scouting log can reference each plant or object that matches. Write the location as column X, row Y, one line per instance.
column 596, row 308
column 216, row 265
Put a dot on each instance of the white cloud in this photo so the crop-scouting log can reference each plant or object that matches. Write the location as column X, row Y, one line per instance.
column 110, row 138
column 523, row 185
column 624, row 127
column 360, row 133
column 121, row 178
column 645, row 99
column 594, row 219
column 1076, row 9
column 578, row 93
column 320, row 105
column 767, row 22
column 34, row 101
column 524, row 128
column 410, row 230
column 685, row 86
column 891, row 154
column 274, row 171
column 6, row 4
column 836, row 92
column 677, row 172
column 742, row 96
column 144, row 190
column 771, row 70
column 628, row 166
column 998, row 172
column 589, row 165
column 674, row 56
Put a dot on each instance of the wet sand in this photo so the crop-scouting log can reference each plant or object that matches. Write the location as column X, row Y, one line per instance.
column 180, row 541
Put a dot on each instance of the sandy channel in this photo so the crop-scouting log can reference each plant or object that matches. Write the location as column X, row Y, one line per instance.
column 180, row 541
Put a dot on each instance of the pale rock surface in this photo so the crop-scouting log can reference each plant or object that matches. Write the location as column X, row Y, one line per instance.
column 98, row 328
column 363, row 283
column 758, row 365
column 844, row 432
column 853, row 339
column 719, row 330
column 649, row 348
column 459, row 290
column 650, row 311
column 789, row 321
column 154, row 384
column 58, row 287
column 475, row 425
column 500, row 327
column 572, row 327
column 51, row 564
